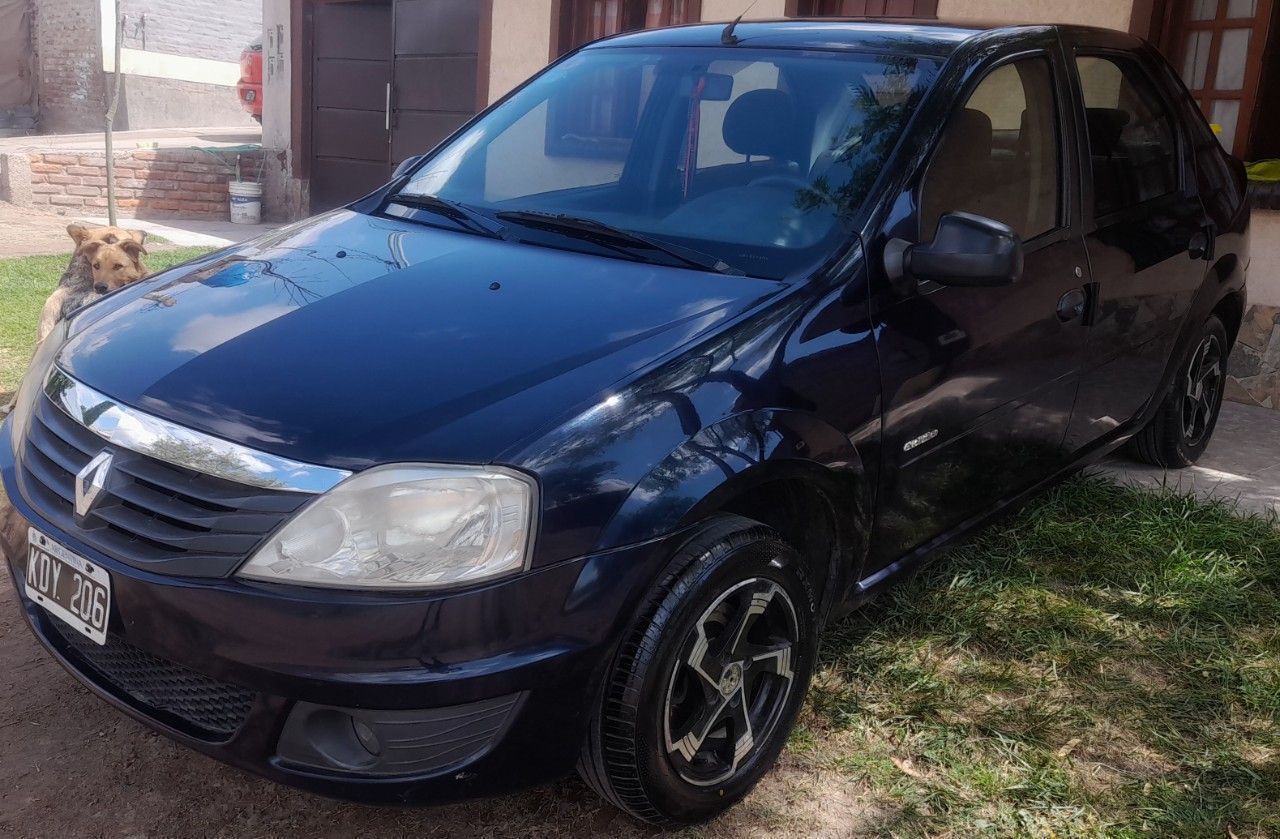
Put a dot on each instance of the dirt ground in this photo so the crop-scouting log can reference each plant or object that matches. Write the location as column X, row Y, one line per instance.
column 28, row 232
column 72, row 766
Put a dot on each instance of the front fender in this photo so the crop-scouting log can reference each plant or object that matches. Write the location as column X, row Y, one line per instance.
column 741, row 452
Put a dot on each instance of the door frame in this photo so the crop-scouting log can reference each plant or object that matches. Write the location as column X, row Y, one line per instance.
column 902, row 224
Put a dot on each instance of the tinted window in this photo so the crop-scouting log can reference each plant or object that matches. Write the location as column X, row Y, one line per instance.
column 756, row 157
column 1133, row 149
column 999, row 155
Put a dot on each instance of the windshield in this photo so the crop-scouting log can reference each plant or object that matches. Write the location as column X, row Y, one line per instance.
column 755, row 158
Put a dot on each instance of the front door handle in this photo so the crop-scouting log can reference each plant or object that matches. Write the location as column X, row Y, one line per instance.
column 1071, row 305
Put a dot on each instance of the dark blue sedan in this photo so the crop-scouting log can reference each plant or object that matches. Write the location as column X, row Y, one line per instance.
column 561, row 449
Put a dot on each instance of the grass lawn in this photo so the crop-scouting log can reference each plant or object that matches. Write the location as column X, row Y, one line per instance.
column 25, row 283
column 1106, row 663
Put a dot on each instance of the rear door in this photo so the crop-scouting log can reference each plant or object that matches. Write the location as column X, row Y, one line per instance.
column 979, row 382
column 1146, row 235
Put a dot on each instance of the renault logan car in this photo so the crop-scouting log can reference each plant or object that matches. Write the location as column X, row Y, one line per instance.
column 561, row 449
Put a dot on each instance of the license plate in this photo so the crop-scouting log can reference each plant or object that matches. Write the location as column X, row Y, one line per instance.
column 68, row 586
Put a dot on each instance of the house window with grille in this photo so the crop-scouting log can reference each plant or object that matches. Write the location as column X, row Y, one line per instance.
column 1219, row 47
column 583, row 21
column 601, row 121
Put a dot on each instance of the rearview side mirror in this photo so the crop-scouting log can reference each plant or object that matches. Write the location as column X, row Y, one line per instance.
column 405, row 165
column 967, row 250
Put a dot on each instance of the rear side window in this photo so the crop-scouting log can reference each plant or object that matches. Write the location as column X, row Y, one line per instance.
column 1133, row 148
column 1000, row 156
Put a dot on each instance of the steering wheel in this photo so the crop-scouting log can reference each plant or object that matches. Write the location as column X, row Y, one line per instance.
column 787, row 181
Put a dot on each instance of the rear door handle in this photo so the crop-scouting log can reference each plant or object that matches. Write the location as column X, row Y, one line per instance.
column 1071, row 305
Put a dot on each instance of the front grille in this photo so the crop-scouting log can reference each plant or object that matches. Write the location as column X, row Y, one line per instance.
column 203, row 707
column 152, row 514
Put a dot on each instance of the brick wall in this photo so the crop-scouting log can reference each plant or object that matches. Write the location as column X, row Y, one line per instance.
column 69, row 65
column 217, row 29
column 149, row 183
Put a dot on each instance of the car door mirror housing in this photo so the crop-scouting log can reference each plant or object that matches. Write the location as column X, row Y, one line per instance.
column 405, row 165
column 967, row 250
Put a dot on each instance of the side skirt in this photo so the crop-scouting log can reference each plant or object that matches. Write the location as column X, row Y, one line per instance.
column 870, row 587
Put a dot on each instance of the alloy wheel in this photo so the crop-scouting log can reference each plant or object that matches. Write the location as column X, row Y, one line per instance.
column 731, row 683
column 1202, row 390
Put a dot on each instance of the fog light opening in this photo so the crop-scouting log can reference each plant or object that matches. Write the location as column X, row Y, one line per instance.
column 342, row 740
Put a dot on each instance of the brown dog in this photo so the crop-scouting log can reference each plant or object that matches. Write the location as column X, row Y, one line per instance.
column 79, row 285
column 115, row 265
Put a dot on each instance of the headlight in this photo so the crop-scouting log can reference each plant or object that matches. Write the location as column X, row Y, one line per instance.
column 33, row 379
column 405, row 527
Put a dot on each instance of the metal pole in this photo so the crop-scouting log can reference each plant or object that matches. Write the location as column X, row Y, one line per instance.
column 111, row 117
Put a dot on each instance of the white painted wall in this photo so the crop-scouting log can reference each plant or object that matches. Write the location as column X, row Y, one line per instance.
column 521, row 43
column 1264, row 270
column 725, row 10
column 1113, row 14
column 277, row 71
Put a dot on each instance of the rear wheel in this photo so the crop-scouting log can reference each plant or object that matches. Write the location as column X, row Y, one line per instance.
column 706, row 688
column 1183, row 426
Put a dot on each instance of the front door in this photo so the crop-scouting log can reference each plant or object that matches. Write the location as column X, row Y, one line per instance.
column 1146, row 246
column 979, row 382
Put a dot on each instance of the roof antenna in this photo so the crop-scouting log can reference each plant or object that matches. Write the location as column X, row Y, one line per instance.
column 727, row 37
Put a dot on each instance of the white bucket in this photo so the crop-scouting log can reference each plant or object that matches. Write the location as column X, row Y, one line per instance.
column 246, row 202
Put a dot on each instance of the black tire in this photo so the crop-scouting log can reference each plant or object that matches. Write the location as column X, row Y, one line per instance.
column 1182, row 427
column 652, row 690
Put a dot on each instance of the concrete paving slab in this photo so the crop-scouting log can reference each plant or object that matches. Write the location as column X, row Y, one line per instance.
column 1241, row 464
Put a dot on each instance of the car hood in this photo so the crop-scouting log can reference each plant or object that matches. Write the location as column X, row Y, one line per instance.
column 349, row 340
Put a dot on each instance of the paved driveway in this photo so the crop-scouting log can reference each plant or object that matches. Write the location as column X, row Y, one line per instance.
column 1242, row 462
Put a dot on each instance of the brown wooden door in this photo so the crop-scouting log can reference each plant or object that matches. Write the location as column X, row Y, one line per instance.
column 389, row 79
column 1218, row 48
column 350, row 78
column 437, row 45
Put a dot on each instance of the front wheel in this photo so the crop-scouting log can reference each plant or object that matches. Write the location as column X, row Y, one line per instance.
column 706, row 688
column 1181, row 429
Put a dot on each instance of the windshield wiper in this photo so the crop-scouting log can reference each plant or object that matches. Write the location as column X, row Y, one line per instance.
column 473, row 220
column 598, row 231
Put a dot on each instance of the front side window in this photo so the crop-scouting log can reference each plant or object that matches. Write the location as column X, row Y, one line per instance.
column 758, row 158
column 999, row 155
column 1133, row 149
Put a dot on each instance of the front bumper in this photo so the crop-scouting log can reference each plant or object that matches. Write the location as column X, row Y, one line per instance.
column 530, row 651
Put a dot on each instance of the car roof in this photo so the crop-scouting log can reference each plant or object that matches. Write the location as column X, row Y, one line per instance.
column 922, row 37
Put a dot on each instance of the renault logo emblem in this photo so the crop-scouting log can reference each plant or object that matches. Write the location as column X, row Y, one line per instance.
column 90, row 483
